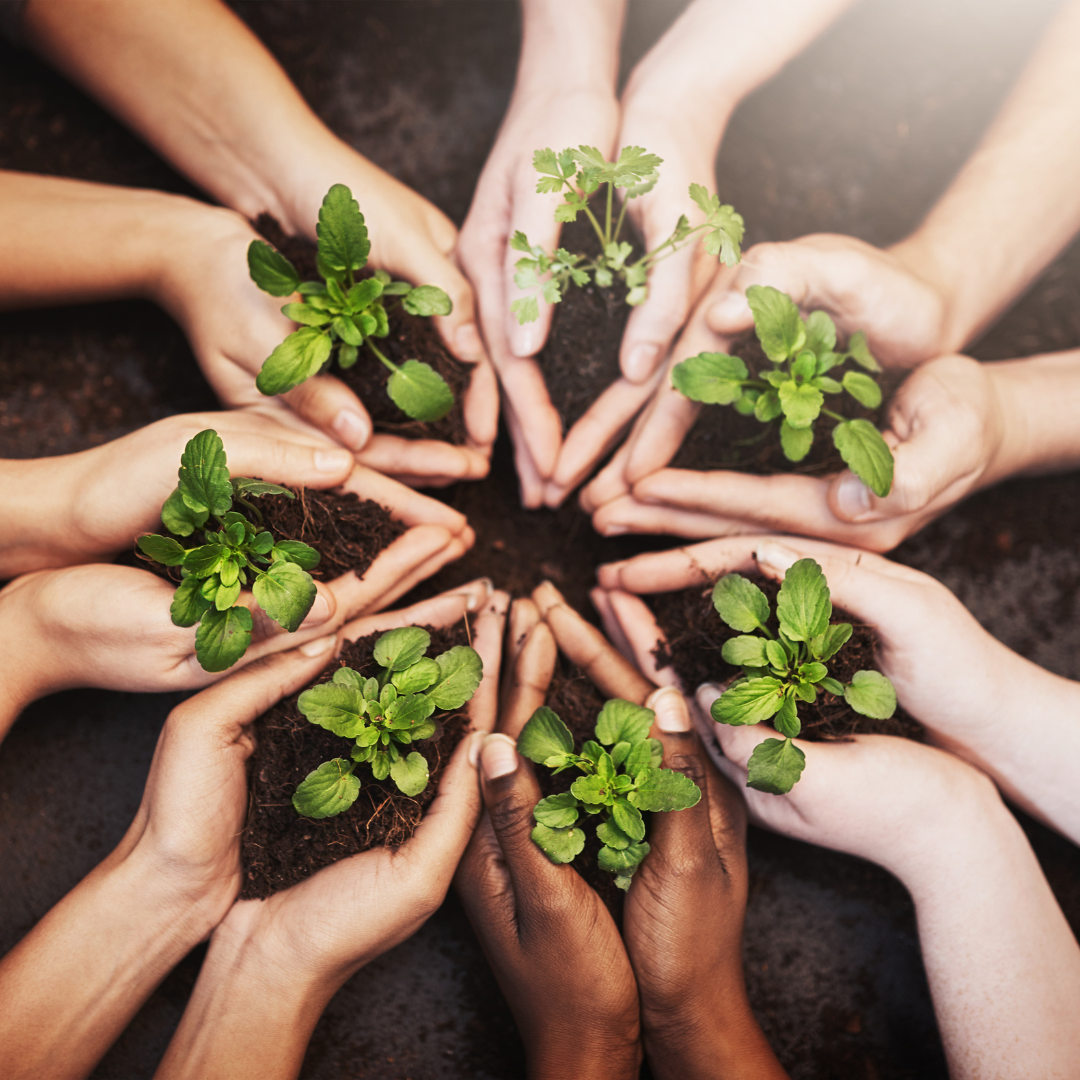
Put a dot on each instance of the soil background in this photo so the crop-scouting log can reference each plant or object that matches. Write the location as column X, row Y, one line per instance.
column 858, row 135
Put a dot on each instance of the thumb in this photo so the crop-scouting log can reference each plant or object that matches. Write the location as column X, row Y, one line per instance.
column 328, row 404
column 321, row 614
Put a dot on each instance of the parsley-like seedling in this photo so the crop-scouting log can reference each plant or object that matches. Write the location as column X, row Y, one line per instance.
column 619, row 783
column 782, row 669
column 238, row 549
column 343, row 312
column 384, row 715
column 793, row 392
column 577, row 174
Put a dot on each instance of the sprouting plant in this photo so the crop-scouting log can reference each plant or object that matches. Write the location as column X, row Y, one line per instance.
column 802, row 351
column 341, row 311
column 782, row 669
column 238, row 549
column 618, row 784
column 577, row 174
column 384, row 715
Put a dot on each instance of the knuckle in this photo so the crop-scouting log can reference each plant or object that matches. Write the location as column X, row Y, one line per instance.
column 511, row 816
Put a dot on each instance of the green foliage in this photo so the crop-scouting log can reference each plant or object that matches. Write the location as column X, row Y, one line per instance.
column 616, row 784
column 780, row 670
column 384, row 715
column 343, row 313
column 577, row 174
column 237, row 552
column 794, row 391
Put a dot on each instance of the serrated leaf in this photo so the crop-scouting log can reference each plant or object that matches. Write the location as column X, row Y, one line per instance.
column 254, row 489
column 334, row 706
column 204, row 474
column 367, row 291
column 629, row 820
column 544, row 736
column 832, row 641
column 775, row 766
column 410, row 774
column 270, row 270
column 519, row 242
column 820, row 333
column 419, row 391
column 633, row 165
column 706, row 203
column 296, row 551
column 427, row 300
column 860, row 352
column 203, row 561
column 460, row 673
column 609, row 833
column 222, row 638
column 296, row 359
column 179, row 518
column 801, row 403
column 380, row 765
column 545, row 161
column 622, row 862
column 188, row 604
column 745, row 651
column 712, row 378
column 740, row 603
column 285, row 593
column 866, row 454
column 871, row 694
column 795, row 441
column 591, row 790
column 408, row 711
column 749, row 702
column 347, row 676
column 623, row 721
column 416, row 678
column 646, row 754
column 803, row 606
column 559, row 845
column 306, row 314
column 526, row 309
column 162, row 549
column 401, row 647
column 327, row 791
column 565, row 212
column 557, row 811
column 664, row 789
column 862, row 388
column 786, row 720
column 767, row 407
column 343, row 244
column 777, row 322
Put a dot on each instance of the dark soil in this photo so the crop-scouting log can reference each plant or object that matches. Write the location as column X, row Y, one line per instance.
column 411, row 338
column 721, row 438
column 695, row 634
column 279, row 847
column 581, row 356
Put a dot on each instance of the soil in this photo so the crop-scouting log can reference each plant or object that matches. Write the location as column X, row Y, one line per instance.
column 581, row 356
column 279, row 847
column 411, row 338
column 694, row 634
column 722, row 438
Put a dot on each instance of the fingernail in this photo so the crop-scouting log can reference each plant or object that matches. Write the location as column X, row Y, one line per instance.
column 672, row 715
column 318, row 646
column 467, row 343
column 641, row 362
column 477, row 595
column 476, row 740
column 732, row 306
column 776, row 557
column 352, row 429
column 319, row 613
column 615, row 530
column 852, row 496
column 333, row 461
column 498, row 756
column 706, row 694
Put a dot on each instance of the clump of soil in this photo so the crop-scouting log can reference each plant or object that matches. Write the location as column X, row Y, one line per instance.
column 695, row 634
column 279, row 847
column 581, row 356
column 722, row 438
column 411, row 337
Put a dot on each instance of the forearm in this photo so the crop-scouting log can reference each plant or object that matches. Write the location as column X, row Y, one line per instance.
column 568, row 54
column 1016, row 202
column 37, row 495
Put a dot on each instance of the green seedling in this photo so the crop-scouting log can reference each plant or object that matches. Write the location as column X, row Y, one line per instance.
column 577, row 174
column 618, row 784
column 231, row 555
column 793, row 392
column 341, row 312
column 780, row 670
column 384, row 715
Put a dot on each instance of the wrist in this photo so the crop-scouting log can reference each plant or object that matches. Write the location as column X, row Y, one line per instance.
column 580, row 54
column 38, row 496
column 619, row 1061
column 928, row 262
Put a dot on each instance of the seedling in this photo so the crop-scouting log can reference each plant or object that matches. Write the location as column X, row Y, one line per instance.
column 341, row 312
column 384, row 715
column 618, row 784
column 780, row 670
column 793, row 392
column 237, row 550
column 577, row 174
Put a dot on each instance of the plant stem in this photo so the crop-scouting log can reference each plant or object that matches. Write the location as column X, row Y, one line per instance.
column 596, row 226
column 607, row 217
column 374, row 348
column 618, row 224
column 835, row 416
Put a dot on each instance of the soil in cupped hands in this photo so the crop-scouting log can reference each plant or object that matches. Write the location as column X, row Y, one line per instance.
column 279, row 847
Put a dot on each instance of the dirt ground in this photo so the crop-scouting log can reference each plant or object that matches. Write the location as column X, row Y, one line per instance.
column 859, row 135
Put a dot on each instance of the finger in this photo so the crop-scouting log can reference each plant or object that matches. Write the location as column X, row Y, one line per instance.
column 524, row 615
column 787, row 267
column 609, row 621
column 668, row 571
column 533, row 421
column 405, row 504
column 422, row 459
column 332, row 407
column 531, row 481
column 442, row 610
column 529, row 680
column 586, row 647
column 643, row 635
column 487, row 636
column 481, row 407
column 609, row 483
column 534, row 215
column 281, row 460
column 668, row 421
column 628, row 515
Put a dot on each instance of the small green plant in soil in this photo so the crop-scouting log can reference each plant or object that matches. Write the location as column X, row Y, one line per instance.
column 216, row 570
column 343, row 313
column 793, row 392
column 782, row 669
column 618, row 784
column 384, row 715
column 577, row 174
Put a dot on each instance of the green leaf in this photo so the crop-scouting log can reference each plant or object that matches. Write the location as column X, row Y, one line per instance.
column 307, row 315
column 285, row 593
column 420, row 392
column 775, row 766
column 871, row 694
column 333, row 706
column 820, row 333
column 427, row 300
column 591, row 790
column 776, row 320
column 628, row 818
column 713, row 378
column 343, row 238
column 270, row 270
column 559, row 845
column 367, row 291
column 204, row 474
column 745, row 651
column 408, row 711
column 327, row 791
column 622, row 863
column 544, row 736
column 862, row 388
column 801, row 403
column 832, row 686
column 633, row 165
column 188, row 605
column 866, row 454
column 347, row 330
column 795, row 441
column 347, row 355
column 776, row 655
column 566, row 212
column 410, row 774
column 664, row 789
column 804, row 366
column 227, row 595
column 832, row 641
column 546, row 162
column 740, row 603
column 203, row 561
column 347, row 676
column 222, row 638
column 786, row 720
column 767, row 407
column 418, row 677
column 296, row 359
column 179, row 518
column 814, row 671
column 803, row 606
column 557, row 811
column 162, row 549
column 296, row 551
column 526, row 309
column 623, row 721
column 400, row 648
column 827, row 385
column 860, row 352
column 749, row 702
column 646, row 754
column 460, row 672
column 254, row 489
column 610, row 834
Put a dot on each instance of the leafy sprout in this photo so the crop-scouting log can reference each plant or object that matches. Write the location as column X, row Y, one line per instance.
column 384, row 715
column 237, row 551
column 803, row 352
column 577, row 174
column 780, row 670
column 617, row 784
column 343, row 313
